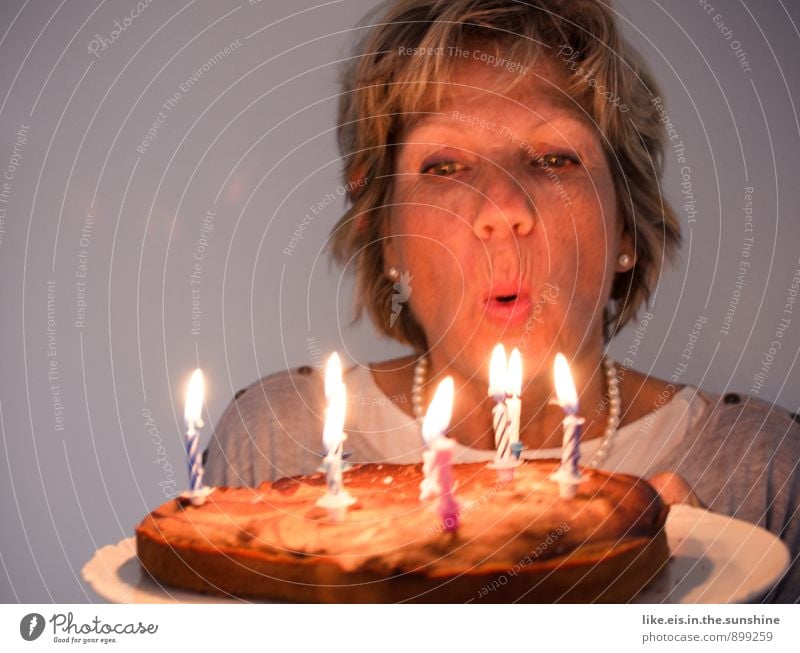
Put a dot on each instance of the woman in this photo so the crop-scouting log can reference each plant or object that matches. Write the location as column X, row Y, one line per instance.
column 505, row 161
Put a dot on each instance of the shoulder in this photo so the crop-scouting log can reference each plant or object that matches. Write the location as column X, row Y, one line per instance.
column 270, row 429
column 762, row 445
column 279, row 392
column 737, row 448
column 748, row 447
column 289, row 400
column 746, row 431
column 762, row 422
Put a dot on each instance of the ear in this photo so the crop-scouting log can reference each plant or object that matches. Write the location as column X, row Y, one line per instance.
column 391, row 257
column 626, row 253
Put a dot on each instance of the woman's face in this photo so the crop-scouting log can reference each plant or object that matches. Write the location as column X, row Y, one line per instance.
column 504, row 214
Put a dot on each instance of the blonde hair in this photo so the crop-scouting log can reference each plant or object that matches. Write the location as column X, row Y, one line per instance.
column 384, row 91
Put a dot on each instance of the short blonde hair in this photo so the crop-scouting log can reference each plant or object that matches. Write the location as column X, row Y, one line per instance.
column 384, row 92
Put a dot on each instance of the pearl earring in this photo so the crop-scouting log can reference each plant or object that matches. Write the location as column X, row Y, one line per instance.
column 624, row 261
column 393, row 273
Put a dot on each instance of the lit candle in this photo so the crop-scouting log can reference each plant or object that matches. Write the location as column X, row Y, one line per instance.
column 437, row 459
column 497, row 391
column 568, row 474
column 513, row 391
column 505, row 413
column 193, row 414
column 336, row 499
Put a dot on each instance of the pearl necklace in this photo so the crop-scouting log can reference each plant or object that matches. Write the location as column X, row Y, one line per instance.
column 612, row 392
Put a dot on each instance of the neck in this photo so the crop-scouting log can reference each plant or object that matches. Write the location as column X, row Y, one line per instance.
column 540, row 425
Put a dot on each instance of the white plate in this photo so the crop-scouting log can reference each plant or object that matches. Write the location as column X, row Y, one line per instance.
column 715, row 559
column 115, row 574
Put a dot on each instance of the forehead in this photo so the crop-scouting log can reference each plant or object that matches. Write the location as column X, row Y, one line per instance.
column 536, row 94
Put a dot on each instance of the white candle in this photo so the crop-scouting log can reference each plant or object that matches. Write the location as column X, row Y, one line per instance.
column 333, row 431
column 568, row 474
column 193, row 414
column 437, row 459
column 336, row 499
column 513, row 391
column 497, row 391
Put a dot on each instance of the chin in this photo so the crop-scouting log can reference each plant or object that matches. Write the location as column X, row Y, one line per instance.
column 538, row 360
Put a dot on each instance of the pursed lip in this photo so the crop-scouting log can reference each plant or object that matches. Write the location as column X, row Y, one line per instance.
column 508, row 303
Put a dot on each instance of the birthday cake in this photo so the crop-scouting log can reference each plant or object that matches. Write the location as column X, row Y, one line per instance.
column 515, row 540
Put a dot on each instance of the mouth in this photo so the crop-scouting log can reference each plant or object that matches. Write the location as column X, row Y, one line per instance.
column 509, row 306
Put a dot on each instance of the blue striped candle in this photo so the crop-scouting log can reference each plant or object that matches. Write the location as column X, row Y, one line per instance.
column 193, row 414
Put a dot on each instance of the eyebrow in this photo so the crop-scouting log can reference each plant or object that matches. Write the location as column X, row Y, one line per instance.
column 449, row 119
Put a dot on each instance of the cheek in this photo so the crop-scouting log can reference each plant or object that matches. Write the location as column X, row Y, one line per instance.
column 438, row 273
column 592, row 212
column 582, row 239
column 439, row 252
column 595, row 274
column 435, row 240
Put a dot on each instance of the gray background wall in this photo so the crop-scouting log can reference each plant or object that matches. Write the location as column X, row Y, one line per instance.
column 93, row 366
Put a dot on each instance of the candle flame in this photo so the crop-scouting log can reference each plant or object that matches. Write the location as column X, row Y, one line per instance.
column 514, row 375
column 193, row 409
column 333, row 375
column 336, row 394
column 437, row 419
column 497, row 371
column 565, row 386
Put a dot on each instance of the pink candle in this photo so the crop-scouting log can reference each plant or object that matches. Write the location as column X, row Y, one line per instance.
column 448, row 506
column 437, row 459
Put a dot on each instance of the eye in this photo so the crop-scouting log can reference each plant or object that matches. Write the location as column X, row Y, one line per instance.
column 553, row 160
column 443, row 168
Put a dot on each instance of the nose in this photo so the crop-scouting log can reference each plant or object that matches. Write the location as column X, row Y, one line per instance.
column 503, row 207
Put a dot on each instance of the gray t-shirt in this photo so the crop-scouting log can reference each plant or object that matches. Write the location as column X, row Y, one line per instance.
column 741, row 455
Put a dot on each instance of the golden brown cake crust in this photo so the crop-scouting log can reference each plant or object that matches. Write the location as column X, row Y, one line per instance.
column 516, row 541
